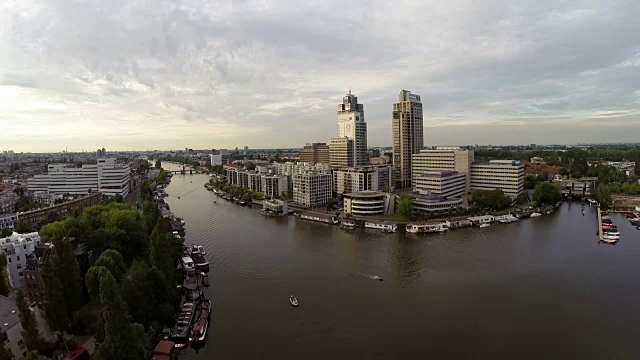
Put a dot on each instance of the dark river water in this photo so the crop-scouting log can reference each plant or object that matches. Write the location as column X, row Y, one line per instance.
column 542, row 288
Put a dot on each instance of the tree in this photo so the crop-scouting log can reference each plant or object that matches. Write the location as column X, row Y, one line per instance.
column 250, row 165
column 5, row 354
column 34, row 355
column 530, row 182
column 68, row 271
column 148, row 295
column 30, row 334
column 5, row 232
column 158, row 164
column 23, row 227
column 636, row 168
column 4, row 281
column 112, row 261
column 122, row 338
column 330, row 204
column 490, row 199
column 53, row 301
column 19, row 191
column 547, row 193
column 603, row 195
column 405, row 207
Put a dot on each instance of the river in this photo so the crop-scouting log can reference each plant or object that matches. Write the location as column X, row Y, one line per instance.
column 542, row 288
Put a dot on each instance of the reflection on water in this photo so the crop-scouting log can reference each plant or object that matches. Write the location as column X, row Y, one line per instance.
column 541, row 288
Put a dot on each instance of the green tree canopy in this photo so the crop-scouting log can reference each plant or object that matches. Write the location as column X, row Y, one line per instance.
column 34, row 355
column 490, row 199
column 112, row 260
column 148, row 295
column 5, row 232
column 405, row 207
column 23, row 227
column 30, row 334
column 547, row 193
column 5, row 354
column 53, row 300
column 603, row 195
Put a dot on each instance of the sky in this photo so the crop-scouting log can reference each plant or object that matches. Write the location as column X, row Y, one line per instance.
column 154, row 74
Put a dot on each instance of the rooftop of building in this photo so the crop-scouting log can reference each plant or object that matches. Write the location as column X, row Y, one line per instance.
column 8, row 313
column 19, row 238
column 498, row 162
column 431, row 198
column 440, row 173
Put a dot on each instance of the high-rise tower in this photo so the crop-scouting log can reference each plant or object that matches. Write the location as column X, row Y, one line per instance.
column 351, row 125
column 408, row 137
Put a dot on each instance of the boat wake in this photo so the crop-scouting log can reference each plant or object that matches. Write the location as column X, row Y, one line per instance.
column 372, row 276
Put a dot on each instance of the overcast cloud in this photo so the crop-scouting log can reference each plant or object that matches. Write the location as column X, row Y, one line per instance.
column 151, row 74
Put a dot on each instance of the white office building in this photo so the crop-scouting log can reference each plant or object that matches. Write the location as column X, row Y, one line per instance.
column 445, row 158
column 506, row 175
column 274, row 185
column 17, row 247
column 407, row 133
column 312, row 189
column 368, row 203
column 446, row 183
column 215, row 159
column 291, row 168
column 368, row 178
column 108, row 176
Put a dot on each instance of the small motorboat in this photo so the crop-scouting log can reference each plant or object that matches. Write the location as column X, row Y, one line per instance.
column 377, row 277
column 536, row 214
column 629, row 215
column 485, row 225
column 293, row 301
column 201, row 250
column 205, row 279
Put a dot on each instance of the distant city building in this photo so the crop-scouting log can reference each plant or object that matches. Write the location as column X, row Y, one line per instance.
column 341, row 152
column 315, row 153
column 290, row 168
column 372, row 178
column 108, row 177
column 407, row 131
column 445, row 158
column 311, row 189
column 215, row 159
column 101, row 153
column 8, row 200
column 368, row 203
column 506, row 175
column 17, row 247
column 537, row 160
column 9, row 221
column 246, row 150
column 351, row 124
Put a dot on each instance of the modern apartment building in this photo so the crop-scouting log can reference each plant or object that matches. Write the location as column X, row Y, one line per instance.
column 446, row 183
column 372, row 178
column 311, row 189
column 445, row 158
column 215, row 159
column 108, row 177
column 17, row 247
column 291, row 168
column 351, row 124
column 274, row 185
column 315, row 153
column 407, row 133
column 341, row 152
column 506, row 175
column 368, row 203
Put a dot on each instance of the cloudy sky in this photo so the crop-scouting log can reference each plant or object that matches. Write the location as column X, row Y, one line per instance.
column 153, row 74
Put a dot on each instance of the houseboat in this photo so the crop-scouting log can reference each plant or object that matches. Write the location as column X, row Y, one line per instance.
column 201, row 321
column 180, row 332
column 348, row 224
column 188, row 266
column 426, row 228
column 320, row 218
column 381, row 225
column 458, row 222
column 201, row 264
column 506, row 219
column 484, row 219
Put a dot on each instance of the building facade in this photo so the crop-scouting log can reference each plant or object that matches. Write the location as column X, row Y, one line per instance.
column 8, row 221
column 108, row 177
column 368, row 178
column 8, row 200
column 341, row 152
column 432, row 202
column 445, row 158
column 407, row 134
column 446, row 183
column 312, row 189
column 315, row 153
column 215, row 159
column 506, row 175
column 33, row 217
column 291, row 168
column 274, row 185
column 17, row 247
column 368, row 203
column 351, row 124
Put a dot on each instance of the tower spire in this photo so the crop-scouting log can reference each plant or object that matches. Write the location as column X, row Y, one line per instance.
column 349, row 89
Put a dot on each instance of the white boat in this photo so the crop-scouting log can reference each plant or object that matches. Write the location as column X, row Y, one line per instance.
column 485, row 225
column 377, row 277
column 612, row 233
column 201, row 250
column 610, row 240
column 293, row 301
column 535, row 214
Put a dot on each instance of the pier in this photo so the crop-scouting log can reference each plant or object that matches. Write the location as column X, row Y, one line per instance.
column 600, row 232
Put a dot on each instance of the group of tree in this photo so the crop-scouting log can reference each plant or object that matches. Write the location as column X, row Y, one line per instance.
column 603, row 196
column 241, row 193
column 405, row 207
column 217, row 169
column 490, row 199
column 530, row 181
column 547, row 193
column 133, row 278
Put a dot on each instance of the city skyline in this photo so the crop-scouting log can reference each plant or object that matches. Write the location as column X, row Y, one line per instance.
column 143, row 77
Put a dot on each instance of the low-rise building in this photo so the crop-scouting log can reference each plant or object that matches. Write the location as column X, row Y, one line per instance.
column 32, row 282
column 367, row 178
column 432, row 202
column 11, row 329
column 8, row 221
column 505, row 175
column 312, row 189
column 368, row 203
column 8, row 200
column 437, row 158
column 33, row 217
column 17, row 247
column 276, row 206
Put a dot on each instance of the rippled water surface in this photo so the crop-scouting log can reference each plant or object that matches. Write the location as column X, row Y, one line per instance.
column 542, row 288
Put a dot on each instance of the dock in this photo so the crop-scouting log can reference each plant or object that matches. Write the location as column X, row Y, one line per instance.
column 600, row 232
